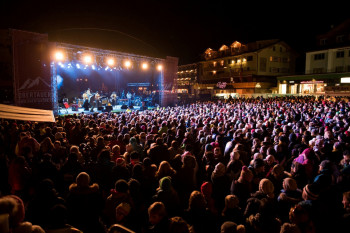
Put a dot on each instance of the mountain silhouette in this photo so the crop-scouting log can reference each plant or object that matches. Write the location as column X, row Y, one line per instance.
column 30, row 83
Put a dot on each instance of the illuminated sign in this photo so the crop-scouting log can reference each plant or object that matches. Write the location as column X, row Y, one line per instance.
column 345, row 80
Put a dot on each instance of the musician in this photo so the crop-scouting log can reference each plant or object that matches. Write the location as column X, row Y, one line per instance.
column 95, row 101
column 128, row 96
column 97, row 96
column 114, row 98
column 86, row 105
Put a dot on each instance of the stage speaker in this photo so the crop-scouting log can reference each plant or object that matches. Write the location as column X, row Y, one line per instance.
column 131, row 106
column 124, row 106
column 100, row 108
column 109, row 108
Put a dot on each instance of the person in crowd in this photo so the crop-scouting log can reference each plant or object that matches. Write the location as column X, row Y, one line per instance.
column 85, row 204
column 158, row 218
column 12, row 212
column 294, row 142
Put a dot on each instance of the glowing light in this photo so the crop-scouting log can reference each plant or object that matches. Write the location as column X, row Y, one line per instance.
column 110, row 62
column 127, row 64
column 78, row 66
column 144, row 66
column 59, row 56
column 93, row 67
column 87, row 59
column 239, row 61
column 159, row 67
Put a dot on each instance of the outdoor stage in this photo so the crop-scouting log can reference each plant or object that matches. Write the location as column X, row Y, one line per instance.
column 116, row 109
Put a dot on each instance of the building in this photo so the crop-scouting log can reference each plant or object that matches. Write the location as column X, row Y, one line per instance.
column 244, row 69
column 327, row 66
column 186, row 80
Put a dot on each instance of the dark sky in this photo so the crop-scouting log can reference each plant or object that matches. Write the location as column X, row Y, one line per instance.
column 182, row 29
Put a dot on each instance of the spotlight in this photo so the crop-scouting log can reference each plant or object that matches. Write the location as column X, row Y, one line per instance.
column 59, row 56
column 87, row 59
column 78, row 66
column 159, row 67
column 144, row 65
column 127, row 64
column 106, row 68
column 110, row 62
column 93, row 67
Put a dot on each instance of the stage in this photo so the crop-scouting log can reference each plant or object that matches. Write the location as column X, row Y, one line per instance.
column 115, row 109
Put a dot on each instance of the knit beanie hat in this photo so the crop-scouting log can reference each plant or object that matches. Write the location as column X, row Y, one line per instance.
column 206, row 188
column 219, row 169
column 246, row 173
column 310, row 192
column 266, row 186
column 165, row 183
column 13, row 205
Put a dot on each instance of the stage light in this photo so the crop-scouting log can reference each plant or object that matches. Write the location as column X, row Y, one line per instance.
column 110, row 62
column 106, row 68
column 78, row 66
column 159, row 67
column 93, row 67
column 87, row 59
column 127, row 64
column 144, row 65
column 59, row 56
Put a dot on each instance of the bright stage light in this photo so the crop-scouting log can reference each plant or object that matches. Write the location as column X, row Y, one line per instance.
column 110, row 62
column 87, row 59
column 127, row 64
column 78, row 66
column 144, row 66
column 159, row 67
column 59, row 56
column 93, row 67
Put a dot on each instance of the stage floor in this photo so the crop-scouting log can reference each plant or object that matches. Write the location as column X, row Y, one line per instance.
column 117, row 109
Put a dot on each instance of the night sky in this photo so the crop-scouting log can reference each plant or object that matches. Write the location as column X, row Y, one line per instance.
column 182, row 29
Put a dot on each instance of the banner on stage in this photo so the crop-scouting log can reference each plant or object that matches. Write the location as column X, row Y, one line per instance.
column 31, row 64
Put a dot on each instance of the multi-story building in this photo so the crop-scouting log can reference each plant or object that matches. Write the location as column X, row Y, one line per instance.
column 186, row 78
column 244, row 69
column 327, row 66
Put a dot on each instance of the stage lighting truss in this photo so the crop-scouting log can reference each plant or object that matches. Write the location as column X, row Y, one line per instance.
column 96, row 59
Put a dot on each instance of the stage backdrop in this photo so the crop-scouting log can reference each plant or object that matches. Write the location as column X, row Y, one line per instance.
column 31, row 67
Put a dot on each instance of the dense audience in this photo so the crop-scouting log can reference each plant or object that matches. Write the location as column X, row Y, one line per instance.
column 251, row 165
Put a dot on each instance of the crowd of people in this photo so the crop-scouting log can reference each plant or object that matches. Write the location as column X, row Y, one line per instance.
column 253, row 165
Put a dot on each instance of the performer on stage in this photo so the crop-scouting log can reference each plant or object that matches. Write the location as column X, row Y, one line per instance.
column 128, row 96
column 94, row 101
column 113, row 98
column 123, row 95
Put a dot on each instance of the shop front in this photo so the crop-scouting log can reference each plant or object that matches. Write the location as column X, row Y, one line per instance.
column 316, row 84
